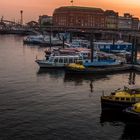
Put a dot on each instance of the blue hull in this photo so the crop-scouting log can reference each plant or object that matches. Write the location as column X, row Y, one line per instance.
column 101, row 63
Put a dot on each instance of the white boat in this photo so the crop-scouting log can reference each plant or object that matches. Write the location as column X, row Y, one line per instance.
column 58, row 61
column 42, row 40
column 34, row 39
column 84, row 52
column 62, row 57
column 54, row 41
column 76, row 43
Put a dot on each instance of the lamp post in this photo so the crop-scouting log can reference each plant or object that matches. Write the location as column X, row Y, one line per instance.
column 21, row 20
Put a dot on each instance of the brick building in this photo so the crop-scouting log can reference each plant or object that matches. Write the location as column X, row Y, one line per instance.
column 88, row 17
column 75, row 16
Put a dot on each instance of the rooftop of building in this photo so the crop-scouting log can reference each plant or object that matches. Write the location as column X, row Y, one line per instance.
column 81, row 8
column 44, row 16
column 111, row 12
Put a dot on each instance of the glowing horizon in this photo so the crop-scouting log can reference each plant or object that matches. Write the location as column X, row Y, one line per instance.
column 32, row 9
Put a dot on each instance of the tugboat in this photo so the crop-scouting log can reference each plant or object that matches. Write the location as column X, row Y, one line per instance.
column 121, row 99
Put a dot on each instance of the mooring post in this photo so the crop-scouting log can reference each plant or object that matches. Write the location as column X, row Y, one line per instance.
column 91, row 46
column 71, row 37
column 135, row 49
column 113, row 42
column 129, row 38
column 63, row 42
column 50, row 38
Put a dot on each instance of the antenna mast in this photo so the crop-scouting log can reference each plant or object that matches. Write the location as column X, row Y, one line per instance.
column 72, row 2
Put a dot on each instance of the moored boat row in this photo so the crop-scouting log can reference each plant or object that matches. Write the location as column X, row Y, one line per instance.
column 127, row 101
column 63, row 57
column 87, row 61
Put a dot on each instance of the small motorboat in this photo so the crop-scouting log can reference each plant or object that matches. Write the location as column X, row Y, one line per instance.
column 134, row 110
column 132, row 114
column 34, row 39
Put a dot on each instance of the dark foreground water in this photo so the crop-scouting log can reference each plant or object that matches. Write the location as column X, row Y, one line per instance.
column 51, row 105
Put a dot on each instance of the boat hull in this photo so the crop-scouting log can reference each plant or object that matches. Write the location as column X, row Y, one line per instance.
column 111, row 104
column 45, row 64
column 131, row 115
column 91, row 70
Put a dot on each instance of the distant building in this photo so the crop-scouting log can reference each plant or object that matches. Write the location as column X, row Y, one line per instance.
column 135, row 23
column 111, row 19
column 125, row 22
column 32, row 24
column 90, row 17
column 45, row 20
column 75, row 16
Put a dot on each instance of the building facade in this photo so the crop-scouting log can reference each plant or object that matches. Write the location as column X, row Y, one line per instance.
column 88, row 17
column 135, row 23
column 111, row 19
column 125, row 22
column 74, row 16
column 45, row 20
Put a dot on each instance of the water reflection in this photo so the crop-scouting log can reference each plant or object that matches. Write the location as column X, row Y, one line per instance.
column 132, row 78
column 131, row 131
column 78, row 79
column 54, row 73
column 111, row 116
column 115, row 118
column 91, row 86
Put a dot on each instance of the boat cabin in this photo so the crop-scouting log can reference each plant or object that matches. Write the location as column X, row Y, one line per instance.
column 117, row 47
column 126, row 95
column 65, row 59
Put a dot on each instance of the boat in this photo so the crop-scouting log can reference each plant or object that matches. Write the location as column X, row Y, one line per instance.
column 105, row 62
column 84, row 55
column 57, row 57
column 121, row 99
column 116, row 47
column 58, row 61
column 74, row 69
column 132, row 114
column 33, row 39
column 100, row 60
column 54, row 41
column 84, row 52
column 134, row 109
column 78, row 43
column 42, row 40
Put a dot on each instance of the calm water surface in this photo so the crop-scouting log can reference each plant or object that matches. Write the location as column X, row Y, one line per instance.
column 51, row 105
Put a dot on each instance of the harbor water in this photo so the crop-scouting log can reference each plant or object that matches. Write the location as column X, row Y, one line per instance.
column 42, row 104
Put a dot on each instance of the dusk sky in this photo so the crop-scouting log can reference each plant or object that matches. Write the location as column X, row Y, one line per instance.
column 33, row 8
